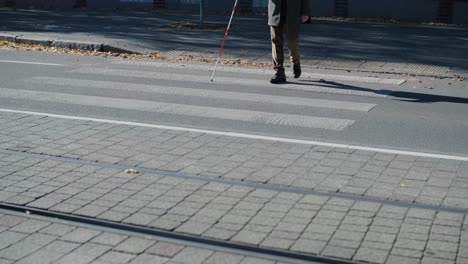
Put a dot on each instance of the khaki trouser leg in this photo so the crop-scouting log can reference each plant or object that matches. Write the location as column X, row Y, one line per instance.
column 277, row 40
column 277, row 51
column 293, row 45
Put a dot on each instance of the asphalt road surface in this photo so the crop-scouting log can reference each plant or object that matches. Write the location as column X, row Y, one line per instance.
column 384, row 111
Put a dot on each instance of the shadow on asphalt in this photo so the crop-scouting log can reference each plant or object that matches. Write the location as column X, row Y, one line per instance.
column 333, row 40
column 403, row 96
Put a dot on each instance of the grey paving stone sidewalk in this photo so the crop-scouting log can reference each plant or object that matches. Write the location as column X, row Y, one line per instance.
column 363, row 173
column 26, row 240
column 305, row 223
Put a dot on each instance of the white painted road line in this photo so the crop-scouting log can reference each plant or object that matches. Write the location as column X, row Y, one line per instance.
column 231, row 81
column 236, row 69
column 213, row 94
column 181, row 109
column 242, row 135
column 32, row 63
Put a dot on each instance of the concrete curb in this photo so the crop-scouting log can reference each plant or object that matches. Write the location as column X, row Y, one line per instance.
column 77, row 45
column 110, row 48
column 67, row 44
column 7, row 37
column 34, row 41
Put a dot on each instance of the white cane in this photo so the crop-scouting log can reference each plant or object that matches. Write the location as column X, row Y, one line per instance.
column 224, row 41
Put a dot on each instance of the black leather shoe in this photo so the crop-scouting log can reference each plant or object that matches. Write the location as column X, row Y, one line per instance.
column 297, row 70
column 278, row 78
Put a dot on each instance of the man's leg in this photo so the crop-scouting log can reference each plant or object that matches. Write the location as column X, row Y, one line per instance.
column 292, row 37
column 277, row 53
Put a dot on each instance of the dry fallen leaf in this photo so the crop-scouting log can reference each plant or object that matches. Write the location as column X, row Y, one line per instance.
column 459, row 78
column 191, row 25
column 155, row 55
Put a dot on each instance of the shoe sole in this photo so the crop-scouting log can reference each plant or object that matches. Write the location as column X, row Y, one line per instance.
column 278, row 82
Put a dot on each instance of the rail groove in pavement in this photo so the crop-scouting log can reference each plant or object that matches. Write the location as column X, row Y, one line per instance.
column 232, row 247
column 265, row 186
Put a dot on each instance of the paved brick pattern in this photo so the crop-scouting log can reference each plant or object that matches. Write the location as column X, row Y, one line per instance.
column 311, row 224
column 51, row 244
column 306, row 223
column 399, row 177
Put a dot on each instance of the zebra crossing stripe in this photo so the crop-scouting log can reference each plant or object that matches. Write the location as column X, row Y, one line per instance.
column 258, row 117
column 205, row 93
column 231, row 81
column 234, row 69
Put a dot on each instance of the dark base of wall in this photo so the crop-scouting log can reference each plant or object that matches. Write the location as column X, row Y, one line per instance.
column 341, row 8
column 81, row 4
column 445, row 11
column 10, row 3
column 159, row 4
